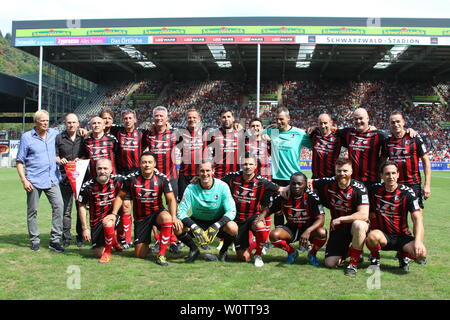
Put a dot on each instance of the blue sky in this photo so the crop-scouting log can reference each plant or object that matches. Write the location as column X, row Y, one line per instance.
column 101, row 9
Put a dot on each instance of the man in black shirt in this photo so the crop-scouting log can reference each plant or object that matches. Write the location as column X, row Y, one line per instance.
column 67, row 149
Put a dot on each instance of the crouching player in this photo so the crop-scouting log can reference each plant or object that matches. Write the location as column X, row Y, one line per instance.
column 390, row 203
column 305, row 219
column 146, row 188
column 100, row 193
column 251, row 193
column 213, row 211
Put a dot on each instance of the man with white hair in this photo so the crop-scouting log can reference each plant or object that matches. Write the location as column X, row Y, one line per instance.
column 37, row 154
column 161, row 141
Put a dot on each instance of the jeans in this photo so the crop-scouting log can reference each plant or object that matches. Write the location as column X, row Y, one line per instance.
column 55, row 198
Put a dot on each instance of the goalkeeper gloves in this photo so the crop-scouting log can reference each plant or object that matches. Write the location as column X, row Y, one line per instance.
column 199, row 234
column 212, row 232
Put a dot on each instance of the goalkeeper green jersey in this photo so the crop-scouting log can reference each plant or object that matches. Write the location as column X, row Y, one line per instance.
column 286, row 150
column 207, row 204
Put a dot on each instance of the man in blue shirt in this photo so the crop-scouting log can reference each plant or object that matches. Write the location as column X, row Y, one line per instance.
column 36, row 165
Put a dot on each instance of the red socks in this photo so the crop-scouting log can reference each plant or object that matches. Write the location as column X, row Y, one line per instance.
column 403, row 254
column 261, row 237
column 126, row 222
column 165, row 233
column 109, row 237
column 354, row 255
column 375, row 252
column 282, row 244
column 316, row 245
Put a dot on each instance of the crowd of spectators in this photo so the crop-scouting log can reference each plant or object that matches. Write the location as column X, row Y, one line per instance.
column 305, row 100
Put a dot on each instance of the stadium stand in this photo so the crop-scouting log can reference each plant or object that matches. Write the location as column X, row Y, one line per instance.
column 305, row 99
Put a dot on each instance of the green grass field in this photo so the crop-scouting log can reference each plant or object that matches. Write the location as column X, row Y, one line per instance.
column 46, row 275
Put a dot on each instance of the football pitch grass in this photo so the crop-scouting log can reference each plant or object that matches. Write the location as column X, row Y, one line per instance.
column 76, row 274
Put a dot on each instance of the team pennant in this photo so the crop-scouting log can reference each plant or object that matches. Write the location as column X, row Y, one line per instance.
column 75, row 173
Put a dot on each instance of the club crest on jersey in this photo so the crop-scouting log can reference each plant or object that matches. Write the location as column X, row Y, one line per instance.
column 348, row 195
column 216, row 197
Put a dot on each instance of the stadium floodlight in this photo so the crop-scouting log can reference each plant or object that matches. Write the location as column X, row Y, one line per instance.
column 133, row 53
column 391, row 56
column 305, row 53
column 220, row 54
column 302, row 64
column 146, row 64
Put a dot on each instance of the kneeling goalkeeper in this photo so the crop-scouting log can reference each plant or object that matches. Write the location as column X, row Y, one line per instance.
column 213, row 211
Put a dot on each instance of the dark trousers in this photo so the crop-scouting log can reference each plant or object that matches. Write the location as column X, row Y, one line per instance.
column 67, row 195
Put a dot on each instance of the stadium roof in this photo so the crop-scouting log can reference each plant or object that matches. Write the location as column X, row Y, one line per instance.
column 13, row 92
column 226, row 48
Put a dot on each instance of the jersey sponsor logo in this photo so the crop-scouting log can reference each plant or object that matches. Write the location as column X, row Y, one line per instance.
column 298, row 215
column 365, row 199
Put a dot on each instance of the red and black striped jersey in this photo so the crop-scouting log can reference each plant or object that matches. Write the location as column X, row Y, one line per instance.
column 98, row 148
column 300, row 212
column 325, row 151
column 192, row 145
column 146, row 193
column 163, row 145
column 260, row 149
column 226, row 148
column 131, row 146
column 249, row 195
column 364, row 150
column 100, row 197
column 405, row 152
column 389, row 210
column 341, row 202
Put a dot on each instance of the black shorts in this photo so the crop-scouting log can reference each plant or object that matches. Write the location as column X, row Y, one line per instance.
column 143, row 228
column 98, row 235
column 417, row 188
column 204, row 224
column 340, row 239
column 242, row 242
column 293, row 231
column 396, row 242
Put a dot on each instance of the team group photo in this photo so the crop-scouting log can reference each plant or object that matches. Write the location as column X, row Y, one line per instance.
column 259, row 158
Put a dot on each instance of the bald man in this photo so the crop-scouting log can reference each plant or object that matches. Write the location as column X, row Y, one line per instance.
column 99, row 194
column 99, row 145
column 68, row 144
column 326, row 147
column 364, row 148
